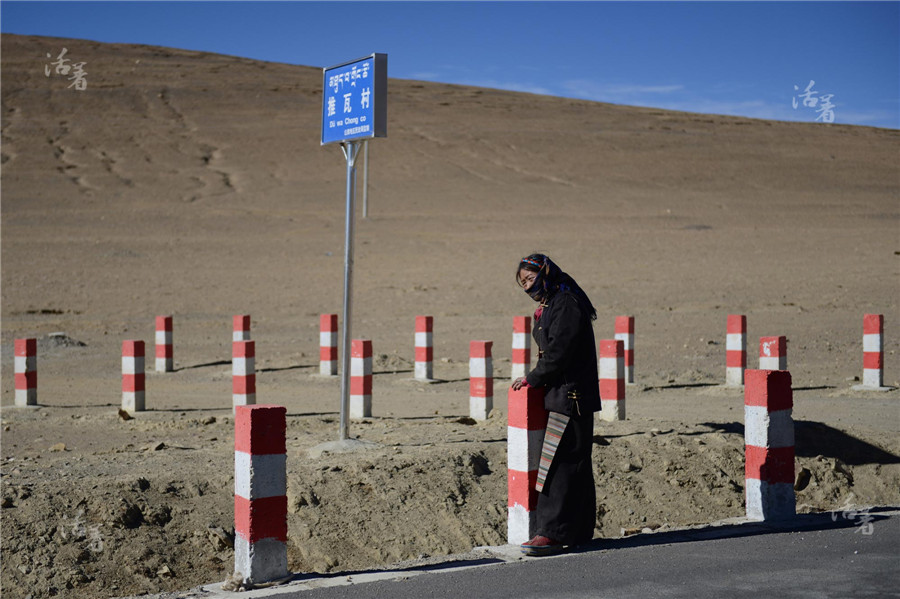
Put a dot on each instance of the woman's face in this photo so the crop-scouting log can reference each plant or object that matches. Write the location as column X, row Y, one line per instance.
column 526, row 278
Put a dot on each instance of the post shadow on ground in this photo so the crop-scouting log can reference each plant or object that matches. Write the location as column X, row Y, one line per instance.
column 449, row 442
column 603, row 439
column 679, row 386
column 814, row 388
column 446, row 418
column 281, row 368
column 66, row 406
column 215, row 409
column 228, row 363
column 403, row 371
column 442, row 381
column 800, row 522
column 437, row 566
column 307, row 414
column 813, row 439
column 196, row 366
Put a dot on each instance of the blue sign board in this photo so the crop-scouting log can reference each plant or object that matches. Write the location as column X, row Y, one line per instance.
column 354, row 102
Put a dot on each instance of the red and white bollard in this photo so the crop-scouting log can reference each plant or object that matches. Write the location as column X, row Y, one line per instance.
column 25, row 358
column 424, row 369
column 527, row 421
column 625, row 334
column 164, row 354
column 735, row 350
column 133, row 376
column 260, row 494
column 481, row 379
column 328, row 344
column 611, row 369
column 243, row 374
column 873, row 353
column 241, row 327
column 361, row 378
column 521, row 346
column 773, row 353
column 769, row 445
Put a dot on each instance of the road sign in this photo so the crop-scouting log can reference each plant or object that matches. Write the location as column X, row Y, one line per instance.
column 354, row 102
column 354, row 110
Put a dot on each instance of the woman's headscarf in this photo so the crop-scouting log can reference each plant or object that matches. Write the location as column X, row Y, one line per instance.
column 550, row 279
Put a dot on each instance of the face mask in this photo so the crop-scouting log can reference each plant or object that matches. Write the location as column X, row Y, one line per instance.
column 536, row 291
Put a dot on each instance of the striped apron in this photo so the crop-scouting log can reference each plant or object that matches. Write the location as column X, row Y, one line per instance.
column 556, row 424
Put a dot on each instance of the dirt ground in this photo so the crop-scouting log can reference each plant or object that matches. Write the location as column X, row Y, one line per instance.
column 194, row 185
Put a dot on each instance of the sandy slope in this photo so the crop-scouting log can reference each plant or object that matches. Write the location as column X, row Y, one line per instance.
column 193, row 184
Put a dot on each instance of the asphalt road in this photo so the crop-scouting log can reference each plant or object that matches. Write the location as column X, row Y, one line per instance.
column 815, row 556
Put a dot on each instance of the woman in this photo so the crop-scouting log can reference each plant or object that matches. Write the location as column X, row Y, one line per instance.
column 567, row 370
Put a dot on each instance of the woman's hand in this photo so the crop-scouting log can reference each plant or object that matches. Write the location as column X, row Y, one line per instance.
column 519, row 383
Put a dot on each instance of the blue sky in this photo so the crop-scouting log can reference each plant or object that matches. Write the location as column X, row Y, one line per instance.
column 736, row 58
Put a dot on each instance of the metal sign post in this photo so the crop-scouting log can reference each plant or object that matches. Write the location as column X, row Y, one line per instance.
column 351, row 150
column 354, row 110
column 366, row 179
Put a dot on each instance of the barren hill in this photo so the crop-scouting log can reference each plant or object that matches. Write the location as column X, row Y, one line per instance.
column 189, row 163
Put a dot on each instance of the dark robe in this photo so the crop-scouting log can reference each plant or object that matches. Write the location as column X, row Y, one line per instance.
column 566, row 508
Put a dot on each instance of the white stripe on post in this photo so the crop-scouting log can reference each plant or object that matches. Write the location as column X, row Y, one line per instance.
column 361, row 378
column 241, row 327
column 260, row 494
column 769, row 445
column 735, row 350
column 424, row 368
column 625, row 334
column 164, row 351
column 611, row 369
column 133, row 376
column 25, row 372
column 773, row 353
column 521, row 346
column 527, row 420
column 328, row 344
column 243, row 371
column 481, row 379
